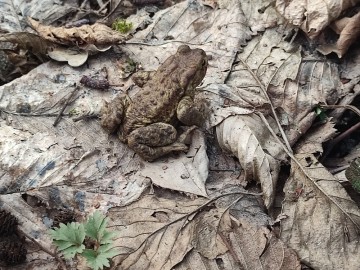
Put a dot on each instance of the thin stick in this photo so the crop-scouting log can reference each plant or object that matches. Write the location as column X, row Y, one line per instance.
column 67, row 102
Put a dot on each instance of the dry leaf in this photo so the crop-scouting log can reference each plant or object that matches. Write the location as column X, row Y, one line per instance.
column 323, row 222
column 87, row 34
column 312, row 16
column 255, row 149
column 349, row 31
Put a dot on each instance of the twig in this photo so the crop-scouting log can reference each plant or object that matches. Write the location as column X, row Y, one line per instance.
column 349, row 107
column 231, row 66
column 31, row 114
column 86, row 117
column 67, row 102
column 46, row 250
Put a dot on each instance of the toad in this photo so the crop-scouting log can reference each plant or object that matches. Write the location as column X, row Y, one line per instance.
column 147, row 122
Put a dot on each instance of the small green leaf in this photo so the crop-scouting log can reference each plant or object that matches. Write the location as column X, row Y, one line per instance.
column 71, row 251
column 69, row 238
column 96, row 260
column 107, row 237
column 95, row 226
column 108, row 250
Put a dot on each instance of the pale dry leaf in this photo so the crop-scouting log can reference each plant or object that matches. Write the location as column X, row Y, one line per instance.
column 86, row 34
column 349, row 33
column 187, row 173
column 322, row 222
column 210, row 3
column 312, row 16
column 157, row 233
column 255, row 149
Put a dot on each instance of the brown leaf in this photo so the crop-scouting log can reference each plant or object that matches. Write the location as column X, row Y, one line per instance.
column 86, row 34
column 349, row 33
column 323, row 222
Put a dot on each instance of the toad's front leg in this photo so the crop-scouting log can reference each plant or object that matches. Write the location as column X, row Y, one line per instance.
column 188, row 113
column 155, row 140
column 112, row 113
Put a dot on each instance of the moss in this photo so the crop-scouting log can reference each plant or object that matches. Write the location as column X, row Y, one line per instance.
column 122, row 26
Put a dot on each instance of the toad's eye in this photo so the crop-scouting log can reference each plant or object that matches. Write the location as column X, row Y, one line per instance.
column 203, row 63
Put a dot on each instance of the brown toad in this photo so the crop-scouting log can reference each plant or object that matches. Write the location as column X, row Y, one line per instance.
column 146, row 123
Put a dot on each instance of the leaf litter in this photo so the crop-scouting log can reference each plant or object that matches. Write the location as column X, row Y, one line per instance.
column 260, row 101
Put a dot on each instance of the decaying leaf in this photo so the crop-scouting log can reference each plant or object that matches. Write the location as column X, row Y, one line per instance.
column 86, row 34
column 322, row 222
column 312, row 16
column 349, row 31
column 255, row 150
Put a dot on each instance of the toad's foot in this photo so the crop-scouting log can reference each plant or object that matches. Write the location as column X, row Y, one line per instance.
column 155, row 140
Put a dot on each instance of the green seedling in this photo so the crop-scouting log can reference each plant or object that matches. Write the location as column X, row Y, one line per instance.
column 70, row 239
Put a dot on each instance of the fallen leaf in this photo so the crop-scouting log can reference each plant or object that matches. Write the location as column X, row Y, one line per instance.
column 322, row 221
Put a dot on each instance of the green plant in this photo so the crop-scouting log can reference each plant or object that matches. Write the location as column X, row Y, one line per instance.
column 122, row 25
column 70, row 239
column 320, row 112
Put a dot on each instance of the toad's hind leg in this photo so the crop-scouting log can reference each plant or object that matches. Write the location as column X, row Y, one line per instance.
column 155, row 140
